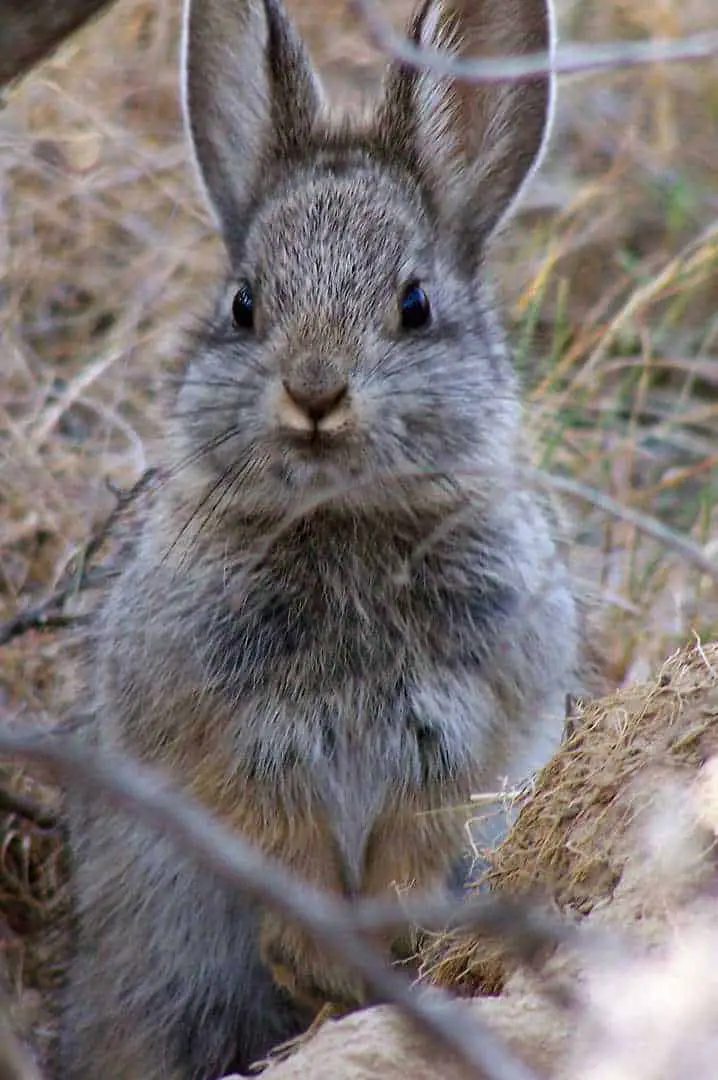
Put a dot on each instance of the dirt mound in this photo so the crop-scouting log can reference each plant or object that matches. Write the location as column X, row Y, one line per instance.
column 575, row 832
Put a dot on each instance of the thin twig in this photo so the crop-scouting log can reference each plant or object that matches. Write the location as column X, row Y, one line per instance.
column 329, row 921
column 646, row 524
column 124, row 499
column 32, row 31
column 48, row 613
column 650, row 526
column 569, row 59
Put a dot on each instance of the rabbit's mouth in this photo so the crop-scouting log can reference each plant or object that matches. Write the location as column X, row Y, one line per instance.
column 316, row 438
column 316, row 417
column 314, row 461
column 314, row 444
column 318, row 457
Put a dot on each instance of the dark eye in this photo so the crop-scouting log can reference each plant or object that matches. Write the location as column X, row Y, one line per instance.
column 414, row 307
column 243, row 307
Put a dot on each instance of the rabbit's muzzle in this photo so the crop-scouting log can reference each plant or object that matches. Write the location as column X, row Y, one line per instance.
column 313, row 399
column 316, row 402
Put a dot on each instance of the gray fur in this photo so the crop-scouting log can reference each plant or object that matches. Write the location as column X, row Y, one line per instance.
column 333, row 641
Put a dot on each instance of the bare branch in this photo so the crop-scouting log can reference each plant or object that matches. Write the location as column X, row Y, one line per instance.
column 48, row 613
column 569, row 59
column 528, row 928
column 329, row 920
column 33, row 30
column 649, row 526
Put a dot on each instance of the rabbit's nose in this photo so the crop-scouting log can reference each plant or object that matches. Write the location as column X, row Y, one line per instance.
column 317, row 401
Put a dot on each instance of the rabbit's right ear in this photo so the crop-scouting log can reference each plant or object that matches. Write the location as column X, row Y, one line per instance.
column 475, row 143
column 249, row 95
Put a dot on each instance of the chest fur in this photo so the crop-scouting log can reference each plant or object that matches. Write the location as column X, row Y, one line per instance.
column 347, row 672
column 360, row 691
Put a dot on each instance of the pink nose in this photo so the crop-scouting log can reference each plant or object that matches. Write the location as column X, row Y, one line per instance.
column 317, row 401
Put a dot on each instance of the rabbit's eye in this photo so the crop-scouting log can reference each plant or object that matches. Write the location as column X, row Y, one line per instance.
column 414, row 307
column 243, row 307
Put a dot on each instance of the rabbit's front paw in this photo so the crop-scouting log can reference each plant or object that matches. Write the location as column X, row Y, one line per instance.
column 305, row 971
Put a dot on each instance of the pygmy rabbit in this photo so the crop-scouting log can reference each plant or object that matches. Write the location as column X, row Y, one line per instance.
column 345, row 611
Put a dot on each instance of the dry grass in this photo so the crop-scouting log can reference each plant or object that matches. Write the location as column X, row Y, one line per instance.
column 614, row 780
column 614, row 286
column 610, row 274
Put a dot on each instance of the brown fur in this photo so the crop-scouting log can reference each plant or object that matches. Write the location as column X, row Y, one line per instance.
column 332, row 631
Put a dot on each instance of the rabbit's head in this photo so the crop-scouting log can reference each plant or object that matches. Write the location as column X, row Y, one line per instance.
column 354, row 343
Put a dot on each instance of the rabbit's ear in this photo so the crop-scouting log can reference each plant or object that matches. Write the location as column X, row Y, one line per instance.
column 475, row 144
column 250, row 95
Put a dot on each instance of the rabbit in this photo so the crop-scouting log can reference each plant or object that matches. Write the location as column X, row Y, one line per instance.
column 345, row 608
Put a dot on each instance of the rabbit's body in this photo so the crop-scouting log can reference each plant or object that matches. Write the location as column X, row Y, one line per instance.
column 383, row 696
column 346, row 611
column 340, row 719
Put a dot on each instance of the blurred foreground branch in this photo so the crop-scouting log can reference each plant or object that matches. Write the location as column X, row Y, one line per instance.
column 32, row 29
column 15, row 1063
column 336, row 924
column 570, row 59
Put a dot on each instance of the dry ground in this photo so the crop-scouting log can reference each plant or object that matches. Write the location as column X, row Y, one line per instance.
column 610, row 276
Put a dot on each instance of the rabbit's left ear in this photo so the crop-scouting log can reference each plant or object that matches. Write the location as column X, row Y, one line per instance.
column 475, row 144
column 250, row 97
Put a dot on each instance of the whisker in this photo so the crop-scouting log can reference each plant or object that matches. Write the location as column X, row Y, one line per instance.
column 218, row 384
column 228, row 489
column 196, row 455
column 217, row 485
column 249, row 466
column 202, row 410
column 388, row 366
